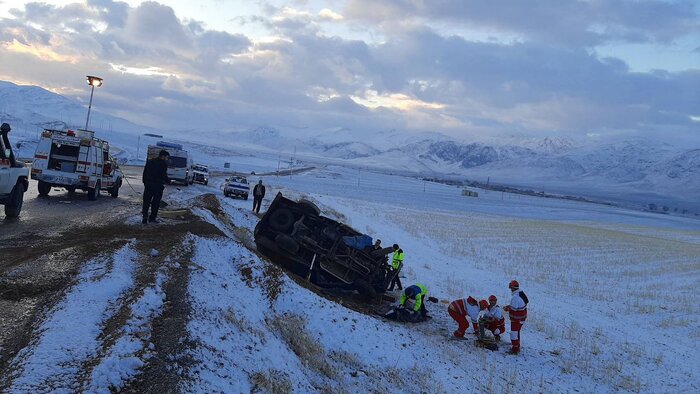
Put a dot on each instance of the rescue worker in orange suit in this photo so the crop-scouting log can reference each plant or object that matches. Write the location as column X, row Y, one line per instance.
column 517, row 311
column 155, row 177
column 495, row 322
column 459, row 310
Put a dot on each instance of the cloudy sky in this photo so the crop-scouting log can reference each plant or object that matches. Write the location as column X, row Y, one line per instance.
column 588, row 68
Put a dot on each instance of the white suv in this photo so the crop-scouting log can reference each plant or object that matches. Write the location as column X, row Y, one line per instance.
column 237, row 186
column 14, row 176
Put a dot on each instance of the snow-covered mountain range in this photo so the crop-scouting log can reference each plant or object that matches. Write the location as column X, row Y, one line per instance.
column 630, row 170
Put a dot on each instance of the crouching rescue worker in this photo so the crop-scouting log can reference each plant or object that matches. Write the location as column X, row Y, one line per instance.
column 419, row 294
column 494, row 320
column 517, row 311
column 462, row 309
column 155, row 176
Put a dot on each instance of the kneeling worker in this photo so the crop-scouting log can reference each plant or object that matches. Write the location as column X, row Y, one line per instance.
column 495, row 322
column 419, row 294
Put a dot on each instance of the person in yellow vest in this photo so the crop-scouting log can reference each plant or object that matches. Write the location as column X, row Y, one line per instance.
column 396, row 264
column 419, row 294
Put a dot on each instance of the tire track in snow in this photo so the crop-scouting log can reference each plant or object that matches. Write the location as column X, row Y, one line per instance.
column 132, row 350
column 69, row 335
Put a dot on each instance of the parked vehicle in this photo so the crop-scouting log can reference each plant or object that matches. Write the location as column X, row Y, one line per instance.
column 201, row 173
column 14, row 176
column 75, row 160
column 329, row 253
column 237, row 186
column 180, row 163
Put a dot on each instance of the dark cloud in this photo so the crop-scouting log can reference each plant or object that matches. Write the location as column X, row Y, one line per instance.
column 570, row 22
column 198, row 78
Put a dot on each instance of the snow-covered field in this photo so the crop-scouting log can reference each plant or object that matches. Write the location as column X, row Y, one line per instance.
column 612, row 300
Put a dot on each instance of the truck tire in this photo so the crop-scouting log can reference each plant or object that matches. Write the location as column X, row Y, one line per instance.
column 115, row 189
column 44, row 188
column 308, row 208
column 246, row 197
column 94, row 193
column 281, row 220
column 287, row 243
column 14, row 205
column 70, row 189
column 365, row 289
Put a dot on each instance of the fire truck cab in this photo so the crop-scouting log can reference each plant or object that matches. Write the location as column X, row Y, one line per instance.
column 75, row 160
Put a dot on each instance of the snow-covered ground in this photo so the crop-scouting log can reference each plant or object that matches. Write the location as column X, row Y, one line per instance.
column 612, row 299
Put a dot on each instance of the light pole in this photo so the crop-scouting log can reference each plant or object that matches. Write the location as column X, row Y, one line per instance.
column 92, row 81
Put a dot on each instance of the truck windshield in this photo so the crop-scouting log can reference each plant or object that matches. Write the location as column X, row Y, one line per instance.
column 177, row 162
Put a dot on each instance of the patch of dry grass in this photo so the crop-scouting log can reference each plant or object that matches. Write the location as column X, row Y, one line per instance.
column 271, row 382
column 292, row 329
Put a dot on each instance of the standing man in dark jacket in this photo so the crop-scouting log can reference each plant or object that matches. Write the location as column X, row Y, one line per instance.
column 155, row 176
column 258, row 195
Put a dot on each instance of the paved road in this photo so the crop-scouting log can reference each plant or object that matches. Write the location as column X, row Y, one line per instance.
column 61, row 210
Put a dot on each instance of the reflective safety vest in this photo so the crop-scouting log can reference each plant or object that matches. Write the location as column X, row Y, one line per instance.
column 419, row 291
column 517, row 310
column 397, row 259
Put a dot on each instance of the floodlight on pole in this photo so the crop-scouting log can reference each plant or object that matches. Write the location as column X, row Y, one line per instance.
column 92, row 81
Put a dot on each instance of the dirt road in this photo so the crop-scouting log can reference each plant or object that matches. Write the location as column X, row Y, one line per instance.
column 43, row 252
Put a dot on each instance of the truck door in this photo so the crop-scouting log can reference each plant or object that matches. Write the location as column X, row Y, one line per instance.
column 83, row 158
column 99, row 162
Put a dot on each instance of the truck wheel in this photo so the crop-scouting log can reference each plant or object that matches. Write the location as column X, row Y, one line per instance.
column 44, row 188
column 115, row 189
column 94, row 193
column 281, row 220
column 246, row 197
column 287, row 243
column 70, row 189
column 365, row 289
column 14, row 205
column 308, row 208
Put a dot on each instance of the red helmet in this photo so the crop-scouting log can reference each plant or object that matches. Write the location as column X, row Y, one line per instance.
column 471, row 300
column 492, row 298
column 483, row 304
column 514, row 284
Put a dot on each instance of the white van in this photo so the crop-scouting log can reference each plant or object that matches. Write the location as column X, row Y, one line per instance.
column 180, row 163
column 75, row 160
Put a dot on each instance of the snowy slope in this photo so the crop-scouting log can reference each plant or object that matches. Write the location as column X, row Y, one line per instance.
column 611, row 295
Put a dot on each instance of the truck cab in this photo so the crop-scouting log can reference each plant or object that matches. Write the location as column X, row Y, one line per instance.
column 14, row 176
column 75, row 160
